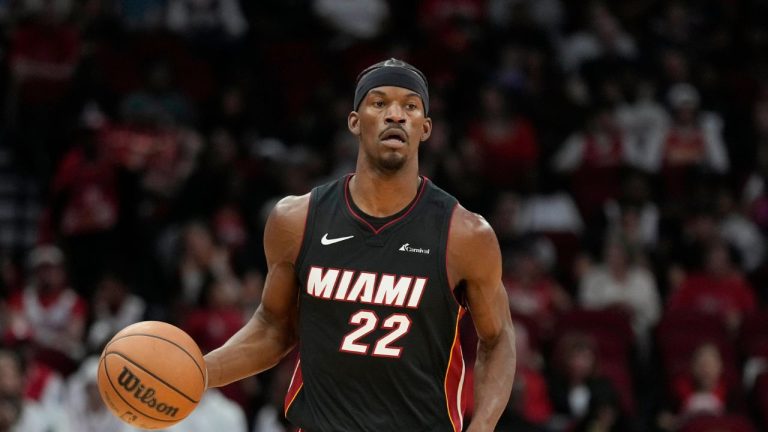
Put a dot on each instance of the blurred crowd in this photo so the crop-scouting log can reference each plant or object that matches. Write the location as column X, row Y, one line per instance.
column 619, row 149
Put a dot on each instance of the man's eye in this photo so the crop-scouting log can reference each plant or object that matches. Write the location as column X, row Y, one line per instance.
column 378, row 104
column 411, row 106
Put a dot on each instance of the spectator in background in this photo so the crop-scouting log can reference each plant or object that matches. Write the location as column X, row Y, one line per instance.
column 18, row 414
column 634, row 216
column 574, row 384
column 202, row 262
column 644, row 118
column 215, row 319
column 720, row 290
column 603, row 415
column 49, row 313
column 364, row 19
column 159, row 102
column 698, row 229
column 114, row 308
column 86, row 411
column 221, row 20
column 42, row 384
column 701, row 390
column 529, row 407
column 533, row 293
column 216, row 181
column 43, row 55
column 754, row 195
column 676, row 27
column 505, row 143
column 549, row 210
column 547, row 14
column 250, row 296
column 740, row 232
column 618, row 282
column 693, row 143
column 604, row 37
column 141, row 15
column 85, row 204
column 593, row 159
column 214, row 413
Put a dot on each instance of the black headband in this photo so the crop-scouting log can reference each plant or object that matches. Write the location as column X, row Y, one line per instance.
column 392, row 73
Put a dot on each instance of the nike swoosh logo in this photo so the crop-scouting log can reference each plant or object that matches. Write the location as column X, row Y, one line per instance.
column 326, row 241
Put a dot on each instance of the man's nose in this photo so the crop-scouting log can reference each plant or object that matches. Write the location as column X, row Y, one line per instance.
column 395, row 114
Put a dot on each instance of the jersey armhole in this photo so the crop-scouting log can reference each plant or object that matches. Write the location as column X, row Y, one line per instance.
column 306, row 235
column 446, row 231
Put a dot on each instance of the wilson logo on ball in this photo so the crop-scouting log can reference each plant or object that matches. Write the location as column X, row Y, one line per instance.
column 143, row 394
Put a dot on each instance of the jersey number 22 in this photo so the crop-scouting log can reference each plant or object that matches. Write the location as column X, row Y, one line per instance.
column 367, row 321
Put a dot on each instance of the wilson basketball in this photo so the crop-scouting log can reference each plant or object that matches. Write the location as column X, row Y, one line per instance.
column 151, row 375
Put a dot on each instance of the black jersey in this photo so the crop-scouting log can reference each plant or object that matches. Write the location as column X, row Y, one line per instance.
column 378, row 323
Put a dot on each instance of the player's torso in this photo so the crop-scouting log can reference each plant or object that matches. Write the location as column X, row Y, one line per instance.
column 377, row 319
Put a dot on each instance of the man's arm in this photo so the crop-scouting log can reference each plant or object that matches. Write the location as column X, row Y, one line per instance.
column 271, row 333
column 474, row 259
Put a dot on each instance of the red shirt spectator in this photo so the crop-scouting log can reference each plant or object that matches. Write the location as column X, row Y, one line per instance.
column 506, row 143
column 720, row 290
column 508, row 149
column 49, row 313
column 43, row 57
column 593, row 158
column 535, row 406
column 210, row 327
column 533, row 294
column 88, row 186
column 719, row 296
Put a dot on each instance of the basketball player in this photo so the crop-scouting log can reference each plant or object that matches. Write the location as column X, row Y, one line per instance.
column 370, row 275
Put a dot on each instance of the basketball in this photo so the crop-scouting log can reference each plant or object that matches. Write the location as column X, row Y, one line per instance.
column 151, row 375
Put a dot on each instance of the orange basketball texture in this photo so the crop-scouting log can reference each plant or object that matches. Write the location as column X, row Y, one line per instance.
column 151, row 375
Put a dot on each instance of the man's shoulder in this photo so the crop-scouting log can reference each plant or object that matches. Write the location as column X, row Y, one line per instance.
column 285, row 226
column 473, row 249
column 291, row 209
column 467, row 226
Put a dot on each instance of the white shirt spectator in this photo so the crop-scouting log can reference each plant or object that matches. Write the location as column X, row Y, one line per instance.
column 85, row 410
column 604, row 37
column 647, row 229
column 201, row 15
column 637, row 292
column 743, row 234
column 362, row 19
column 549, row 213
column 646, row 120
column 108, row 323
column 36, row 418
column 716, row 156
column 215, row 413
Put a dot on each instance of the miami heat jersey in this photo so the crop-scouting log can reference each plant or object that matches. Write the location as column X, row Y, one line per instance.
column 378, row 323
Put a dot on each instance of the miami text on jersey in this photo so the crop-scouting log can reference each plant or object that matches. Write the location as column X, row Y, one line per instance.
column 365, row 287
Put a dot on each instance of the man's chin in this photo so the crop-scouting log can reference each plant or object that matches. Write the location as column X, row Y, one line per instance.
column 391, row 163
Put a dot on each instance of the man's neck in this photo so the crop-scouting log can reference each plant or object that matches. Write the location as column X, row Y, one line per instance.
column 380, row 196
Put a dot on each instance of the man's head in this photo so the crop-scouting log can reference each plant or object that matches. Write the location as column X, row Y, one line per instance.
column 47, row 264
column 390, row 114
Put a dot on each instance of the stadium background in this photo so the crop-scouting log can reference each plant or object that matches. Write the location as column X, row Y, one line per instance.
column 619, row 149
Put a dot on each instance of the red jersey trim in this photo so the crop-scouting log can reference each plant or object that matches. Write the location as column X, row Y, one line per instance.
column 297, row 383
column 390, row 223
column 448, row 281
column 454, row 380
column 303, row 231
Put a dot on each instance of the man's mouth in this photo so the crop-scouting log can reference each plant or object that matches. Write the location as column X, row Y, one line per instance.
column 394, row 137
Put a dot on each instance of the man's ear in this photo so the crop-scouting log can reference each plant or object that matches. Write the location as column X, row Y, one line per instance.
column 353, row 123
column 426, row 129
